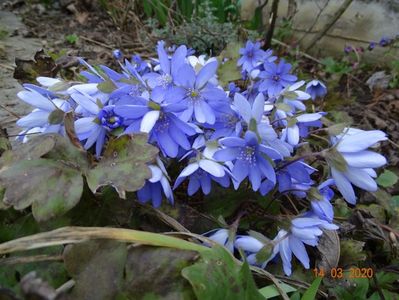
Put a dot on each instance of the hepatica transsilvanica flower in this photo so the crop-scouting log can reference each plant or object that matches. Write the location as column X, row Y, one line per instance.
column 244, row 136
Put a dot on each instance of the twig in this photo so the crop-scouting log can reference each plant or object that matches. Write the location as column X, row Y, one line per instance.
column 29, row 259
column 65, row 287
column 337, row 36
column 304, row 54
column 315, row 21
column 329, row 24
column 272, row 24
column 8, row 67
column 301, row 53
column 292, row 9
column 95, row 42
column 10, row 111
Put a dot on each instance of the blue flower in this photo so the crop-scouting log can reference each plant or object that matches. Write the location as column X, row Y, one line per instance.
column 228, row 123
column 295, row 178
column 168, row 70
column 351, row 162
column 117, row 53
column 248, row 157
column 221, row 236
column 233, row 88
column 254, row 119
column 275, row 78
column 200, row 97
column 96, row 121
column 385, row 41
column 160, row 122
column 38, row 119
column 371, row 46
column 141, row 66
column 252, row 56
column 201, row 173
column 251, row 246
column 316, row 89
column 348, row 49
column 323, row 207
column 304, row 230
column 156, row 185
column 298, row 125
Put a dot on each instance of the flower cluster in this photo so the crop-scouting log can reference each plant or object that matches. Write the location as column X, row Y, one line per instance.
column 384, row 42
column 217, row 135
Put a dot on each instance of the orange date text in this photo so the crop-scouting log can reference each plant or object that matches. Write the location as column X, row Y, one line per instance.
column 340, row 273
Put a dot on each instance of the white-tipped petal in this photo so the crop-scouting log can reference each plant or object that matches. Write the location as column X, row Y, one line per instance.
column 149, row 121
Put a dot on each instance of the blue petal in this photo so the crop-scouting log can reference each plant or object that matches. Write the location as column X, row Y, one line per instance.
column 361, row 179
column 185, row 76
column 168, row 145
column 227, row 154
column 286, row 256
column 87, row 102
column 131, row 111
column 255, row 178
column 178, row 59
column 243, row 107
column 37, row 100
column 156, row 194
column 163, row 58
column 364, row 159
column 360, row 141
column 240, row 170
column 37, row 118
column 344, row 186
column 206, row 73
column 206, row 184
column 193, row 186
column 232, row 142
column 258, row 107
column 299, row 251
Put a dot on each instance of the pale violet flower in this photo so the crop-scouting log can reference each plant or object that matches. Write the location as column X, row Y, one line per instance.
column 352, row 163
column 292, row 132
column 201, row 173
column 316, row 89
column 305, row 230
column 38, row 120
column 221, row 236
column 156, row 185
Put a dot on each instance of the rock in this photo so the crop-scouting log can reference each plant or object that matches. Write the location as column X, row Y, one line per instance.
column 379, row 81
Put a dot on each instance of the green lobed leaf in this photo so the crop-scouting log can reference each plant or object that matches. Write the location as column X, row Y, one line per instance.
column 217, row 276
column 36, row 147
column 160, row 273
column 123, row 165
column 97, row 268
column 51, row 187
column 387, row 179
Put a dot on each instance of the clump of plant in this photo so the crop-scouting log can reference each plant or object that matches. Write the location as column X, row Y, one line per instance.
column 241, row 121
column 203, row 30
